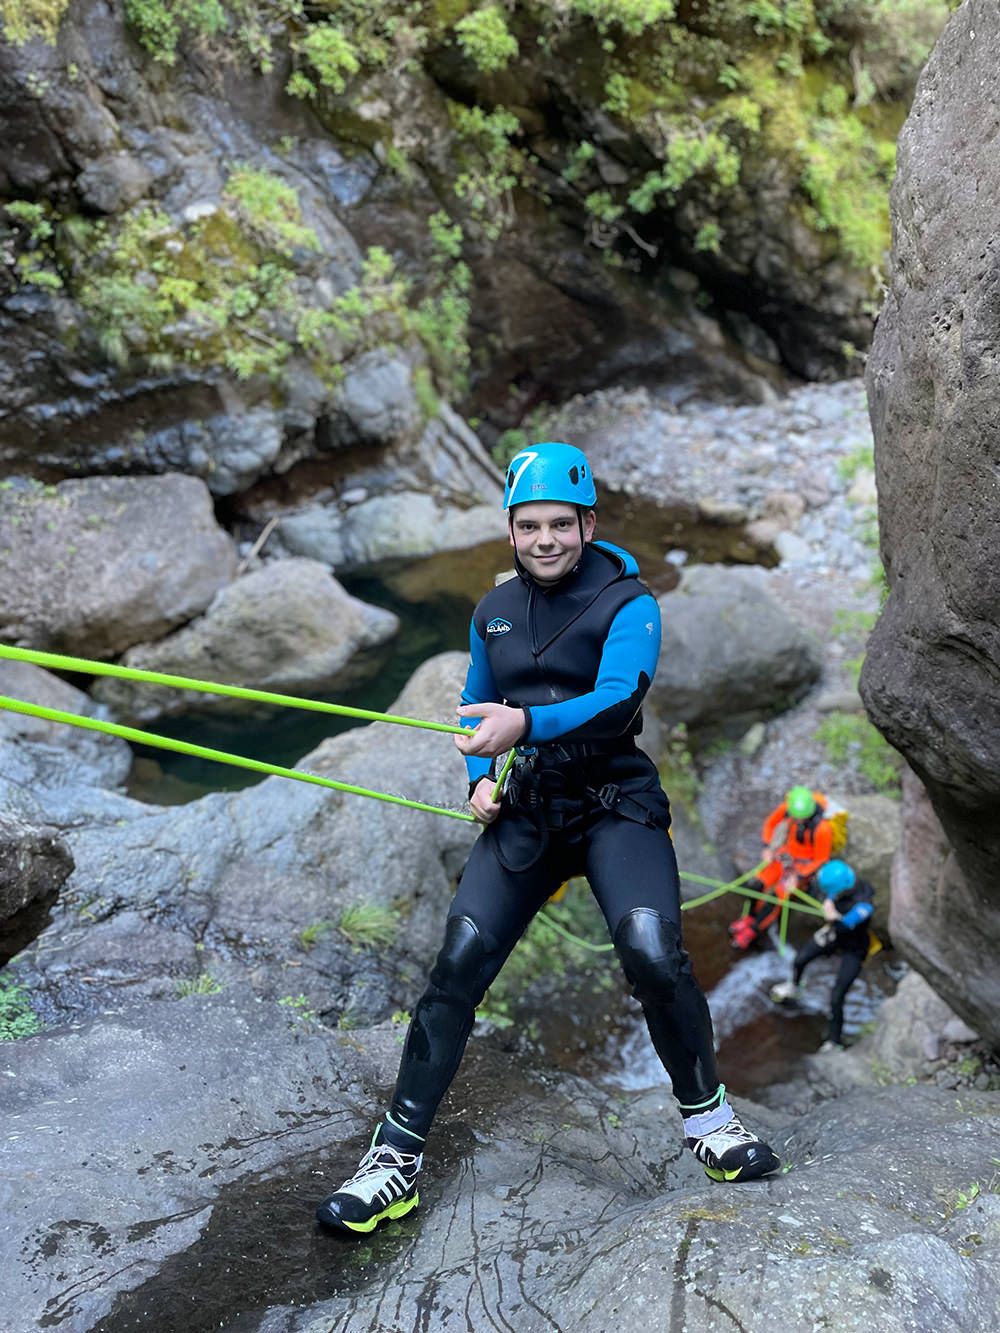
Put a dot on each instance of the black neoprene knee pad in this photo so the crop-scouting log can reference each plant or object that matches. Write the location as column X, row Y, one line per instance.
column 650, row 949
column 459, row 965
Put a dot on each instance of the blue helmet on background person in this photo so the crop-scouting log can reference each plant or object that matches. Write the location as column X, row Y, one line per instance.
column 549, row 471
column 835, row 878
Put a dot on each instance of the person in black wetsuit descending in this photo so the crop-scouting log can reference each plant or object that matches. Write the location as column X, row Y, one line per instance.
column 561, row 657
column 847, row 909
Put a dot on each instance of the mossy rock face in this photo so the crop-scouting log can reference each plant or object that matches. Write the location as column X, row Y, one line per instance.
column 584, row 155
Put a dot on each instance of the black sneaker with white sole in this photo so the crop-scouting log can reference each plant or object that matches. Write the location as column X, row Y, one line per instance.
column 383, row 1188
column 726, row 1148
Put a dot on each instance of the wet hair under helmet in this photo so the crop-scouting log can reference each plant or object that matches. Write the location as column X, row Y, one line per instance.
column 550, row 471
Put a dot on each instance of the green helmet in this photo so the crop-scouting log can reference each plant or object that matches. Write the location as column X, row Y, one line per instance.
column 800, row 803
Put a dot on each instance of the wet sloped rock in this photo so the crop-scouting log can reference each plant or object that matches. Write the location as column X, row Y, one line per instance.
column 730, row 653
column 254, row 885
column 931, row 673
column 583, row 1225
column 288, row 627
column 546, row 1202
column 93, row 566
column 142, row 1122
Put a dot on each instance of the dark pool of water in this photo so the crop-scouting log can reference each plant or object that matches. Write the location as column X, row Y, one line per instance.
column 436, row 624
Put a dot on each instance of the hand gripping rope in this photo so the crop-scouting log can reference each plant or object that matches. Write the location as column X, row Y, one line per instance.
column 60, row 662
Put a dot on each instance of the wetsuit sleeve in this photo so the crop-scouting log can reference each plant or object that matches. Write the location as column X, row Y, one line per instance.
column 627, row 665
column 822, row 849
column 861, row 911
column 858, row 914
column 771, row 823
column 480, row 688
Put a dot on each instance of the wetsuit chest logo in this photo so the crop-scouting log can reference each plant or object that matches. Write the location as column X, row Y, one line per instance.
column 499, row 626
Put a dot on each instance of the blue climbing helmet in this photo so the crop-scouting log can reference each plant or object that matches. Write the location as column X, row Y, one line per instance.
column 835, row 877
column 550, row 471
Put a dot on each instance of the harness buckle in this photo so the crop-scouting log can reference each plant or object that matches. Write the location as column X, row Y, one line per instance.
column 609, row 795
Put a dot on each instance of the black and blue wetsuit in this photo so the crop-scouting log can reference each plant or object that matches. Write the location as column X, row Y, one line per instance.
column 578, row 657
column 850, row 937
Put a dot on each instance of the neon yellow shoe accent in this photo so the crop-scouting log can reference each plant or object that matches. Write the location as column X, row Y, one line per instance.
column 395, row 1210
column 720, row 1173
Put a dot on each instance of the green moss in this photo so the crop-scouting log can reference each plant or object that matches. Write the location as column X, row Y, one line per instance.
column 485, row 38
column 24, row 20
column 849, row 738
column 17, row 1017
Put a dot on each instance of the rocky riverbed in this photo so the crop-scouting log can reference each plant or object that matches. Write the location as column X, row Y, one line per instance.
column 216, row 1040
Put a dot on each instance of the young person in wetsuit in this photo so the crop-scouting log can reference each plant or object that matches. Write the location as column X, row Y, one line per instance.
column 847, row 909
column 561, row 657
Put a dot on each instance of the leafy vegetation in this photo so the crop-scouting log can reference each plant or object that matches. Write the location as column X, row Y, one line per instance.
column 369, row 926
column 300, row 1006
column 849, row 738
column 23, row 20
column 17, row 1018
column 719, row 91
column 230, row 286
column 203, row 984
column 714, row 84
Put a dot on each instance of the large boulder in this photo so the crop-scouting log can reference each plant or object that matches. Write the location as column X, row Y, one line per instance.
column 731, row 653
column 289, row 628
column 930, row 676
column 946, row 926
column 91, row 567
column 34, row 862
column 42, row 754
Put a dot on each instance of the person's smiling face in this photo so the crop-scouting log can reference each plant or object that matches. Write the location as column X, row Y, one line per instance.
column 546, row 537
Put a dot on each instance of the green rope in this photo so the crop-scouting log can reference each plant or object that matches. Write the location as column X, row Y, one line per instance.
column 219, row 756
column 730, row 886
column 508, row 764
column 60, row 662
column 57, row 662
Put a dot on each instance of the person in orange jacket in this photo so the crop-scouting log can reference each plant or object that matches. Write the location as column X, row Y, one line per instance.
column 798, row 839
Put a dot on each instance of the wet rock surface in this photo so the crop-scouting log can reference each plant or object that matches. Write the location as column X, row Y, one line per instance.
column 546, row 1202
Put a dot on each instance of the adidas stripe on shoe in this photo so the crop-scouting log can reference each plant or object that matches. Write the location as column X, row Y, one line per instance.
column 383, row 1188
